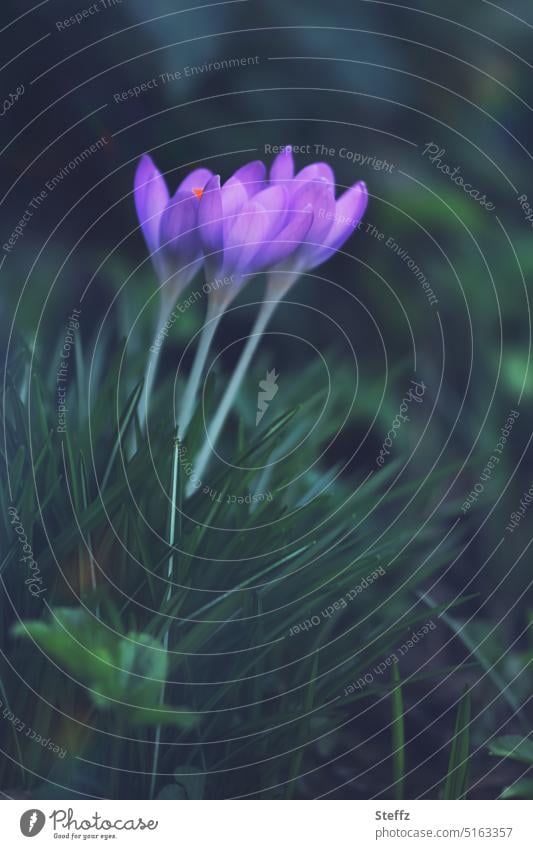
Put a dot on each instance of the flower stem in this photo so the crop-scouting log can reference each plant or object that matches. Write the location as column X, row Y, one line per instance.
column 186, row 411
column 151, row 369
column 267, row 308
column 168, row 596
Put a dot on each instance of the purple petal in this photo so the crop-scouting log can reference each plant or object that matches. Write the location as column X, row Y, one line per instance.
column 180, row 248
column 274, row 200
column 151, row 197
column 197, row 179
column 178, row 234
column 283, row 166
column 349, row 210
column 234, row 198
column 210, row 221
column 252, row 176
column 317, row 172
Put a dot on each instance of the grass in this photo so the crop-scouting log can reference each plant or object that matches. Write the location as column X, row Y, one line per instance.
column 163, row 656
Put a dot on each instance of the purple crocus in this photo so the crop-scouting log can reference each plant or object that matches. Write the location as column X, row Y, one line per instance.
column 252, row 223
column 247, row 225
column 295, row 224
column 170, row 229
column 284, row 223
column 333, row 220
column 170, row 225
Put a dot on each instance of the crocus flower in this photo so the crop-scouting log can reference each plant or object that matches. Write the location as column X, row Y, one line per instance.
column 252, row 224
column 308, row 211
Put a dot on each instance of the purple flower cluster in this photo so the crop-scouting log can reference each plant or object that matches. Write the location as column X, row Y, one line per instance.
column 280, row 222
column 254, row 222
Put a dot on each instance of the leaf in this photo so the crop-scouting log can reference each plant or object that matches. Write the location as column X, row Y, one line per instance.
column 121, row 672
column 474, row 645
column 514, row 747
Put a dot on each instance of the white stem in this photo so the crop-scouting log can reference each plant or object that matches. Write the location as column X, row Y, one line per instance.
column 212, row 319
column 144, row 402
column 267, row 308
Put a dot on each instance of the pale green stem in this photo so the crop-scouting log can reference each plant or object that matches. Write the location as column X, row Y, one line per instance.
column 151, row 369
column 186, row 409
column 213, row 431
column 144, row 402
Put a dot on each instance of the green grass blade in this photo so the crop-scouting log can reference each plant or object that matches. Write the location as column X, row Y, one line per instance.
column 398, row 733
column 128, row 414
